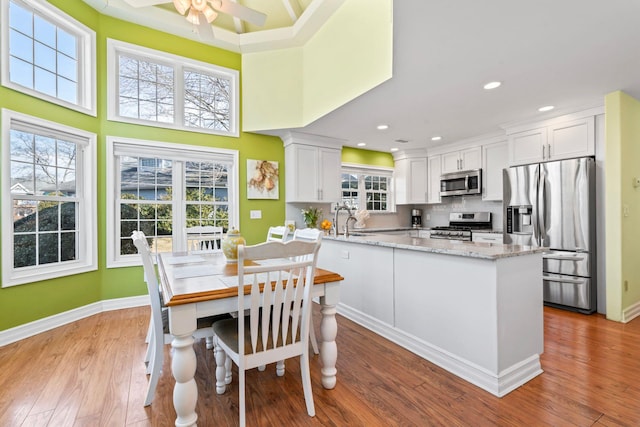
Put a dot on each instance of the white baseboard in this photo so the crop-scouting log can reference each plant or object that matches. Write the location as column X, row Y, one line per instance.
column 631, row 313
column 498, row 384
column 42, row 325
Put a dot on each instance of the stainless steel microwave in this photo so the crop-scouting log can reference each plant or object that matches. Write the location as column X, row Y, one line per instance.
column 461, row 183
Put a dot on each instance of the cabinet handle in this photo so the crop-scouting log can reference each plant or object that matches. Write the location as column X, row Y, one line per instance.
column 548, row 151
column 543, row 151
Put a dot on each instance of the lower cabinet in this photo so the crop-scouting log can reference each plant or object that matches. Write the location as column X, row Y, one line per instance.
column 368, row 276
column 487, row 237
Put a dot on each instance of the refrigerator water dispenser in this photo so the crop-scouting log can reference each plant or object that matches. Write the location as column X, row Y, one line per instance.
column 519, row 219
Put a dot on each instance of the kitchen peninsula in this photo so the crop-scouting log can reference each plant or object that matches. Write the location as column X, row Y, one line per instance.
column 475, row 309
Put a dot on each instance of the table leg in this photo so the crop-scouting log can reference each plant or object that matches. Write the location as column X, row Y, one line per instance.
column 328, row 347
column 185, row 392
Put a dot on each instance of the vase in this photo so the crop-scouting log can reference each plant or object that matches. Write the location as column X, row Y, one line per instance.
column 230, row 245
column 311, row 224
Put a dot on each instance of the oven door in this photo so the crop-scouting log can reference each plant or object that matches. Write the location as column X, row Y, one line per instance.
column 461, row 183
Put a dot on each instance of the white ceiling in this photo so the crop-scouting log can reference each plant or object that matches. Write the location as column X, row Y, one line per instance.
column 566, row 53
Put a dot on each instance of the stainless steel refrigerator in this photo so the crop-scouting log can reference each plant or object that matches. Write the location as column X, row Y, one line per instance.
column 552, row 205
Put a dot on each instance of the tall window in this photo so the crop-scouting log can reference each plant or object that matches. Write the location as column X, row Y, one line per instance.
column 367, row 188
column 159, row 89
column 50, row 182
column 48, row 54
column 161, row 189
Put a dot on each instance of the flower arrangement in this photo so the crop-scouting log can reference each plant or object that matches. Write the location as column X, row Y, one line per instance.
column 311, row 216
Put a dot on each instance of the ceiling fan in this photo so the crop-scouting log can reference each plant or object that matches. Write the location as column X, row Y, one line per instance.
column 201, row 11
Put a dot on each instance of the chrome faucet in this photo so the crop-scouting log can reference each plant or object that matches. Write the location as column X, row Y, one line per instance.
column 335, row 219
column 346, row 225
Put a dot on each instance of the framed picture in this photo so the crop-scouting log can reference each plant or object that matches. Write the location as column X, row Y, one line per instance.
column 262, row 179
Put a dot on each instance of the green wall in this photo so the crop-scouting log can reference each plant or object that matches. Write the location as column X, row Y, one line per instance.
column 622, row 153
column 366, row 157
column 25, row 303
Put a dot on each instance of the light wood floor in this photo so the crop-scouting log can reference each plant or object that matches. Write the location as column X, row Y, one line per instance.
column 90, row 373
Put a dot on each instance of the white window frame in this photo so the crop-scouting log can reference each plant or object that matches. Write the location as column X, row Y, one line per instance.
column 179, row 64
column 361, row 171
column 86, row 55
column 86, row 185
column 166, row 150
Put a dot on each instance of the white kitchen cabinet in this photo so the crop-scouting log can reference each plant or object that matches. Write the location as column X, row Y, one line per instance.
column 486, row 237
column 410, row 178
column 495, row 157
column 461, row 160
column 312, row 173
column 556, row 141
column 434, row 171
column 368, row 277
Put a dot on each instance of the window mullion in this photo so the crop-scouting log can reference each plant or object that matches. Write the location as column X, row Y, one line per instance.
column 178, row 96
column 178, row 205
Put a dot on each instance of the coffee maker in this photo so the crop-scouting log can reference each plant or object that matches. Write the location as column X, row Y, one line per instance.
column 416, row 218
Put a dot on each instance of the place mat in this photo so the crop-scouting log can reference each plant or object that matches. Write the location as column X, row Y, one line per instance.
column 185, row 259
column 197, row 271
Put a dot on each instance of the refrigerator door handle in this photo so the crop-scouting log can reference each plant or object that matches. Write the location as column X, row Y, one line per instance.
column 564, row 257
column 542, row 209
column 536, row 210
column 563, row 279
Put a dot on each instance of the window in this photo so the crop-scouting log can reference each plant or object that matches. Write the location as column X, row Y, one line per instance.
column 48, row 54
column 49, row 177
column 155, row 88
column 367, row 188
column 161, row 189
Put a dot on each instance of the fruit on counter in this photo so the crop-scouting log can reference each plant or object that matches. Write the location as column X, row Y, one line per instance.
column 325, row 224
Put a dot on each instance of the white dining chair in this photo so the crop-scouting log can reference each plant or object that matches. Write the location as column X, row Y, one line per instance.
column 277, row 234
column 277, row 325
column 310, row 235
column 206, row 238
column 159, row 332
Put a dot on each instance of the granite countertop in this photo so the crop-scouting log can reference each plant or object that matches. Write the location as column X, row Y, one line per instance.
column 491, row 251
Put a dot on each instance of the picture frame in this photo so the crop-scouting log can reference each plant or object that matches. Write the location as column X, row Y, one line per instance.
column 263, row 179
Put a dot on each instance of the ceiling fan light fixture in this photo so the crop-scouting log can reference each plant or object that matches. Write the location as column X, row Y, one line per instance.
column 182, row 6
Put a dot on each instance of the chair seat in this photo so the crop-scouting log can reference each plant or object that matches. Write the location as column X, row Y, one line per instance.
column 203, row 322
column 227, row 331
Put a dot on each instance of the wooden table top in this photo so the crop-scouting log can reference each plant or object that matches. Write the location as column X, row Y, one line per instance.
column 204, row 288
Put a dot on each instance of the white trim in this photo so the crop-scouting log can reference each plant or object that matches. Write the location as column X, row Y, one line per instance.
column 30, row 329
column 87, row 86
column 86, row 190
column 498, row 385
column 179, row 64
column 114, row 260
column 368, row 169
column 631, row 312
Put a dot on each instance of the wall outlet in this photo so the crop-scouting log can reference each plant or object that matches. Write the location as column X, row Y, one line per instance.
column 255, row 214
column 344, row 254
column 428, row 217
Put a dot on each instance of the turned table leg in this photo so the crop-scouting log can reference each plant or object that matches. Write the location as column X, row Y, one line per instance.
column 185, row 392
column 328, row 347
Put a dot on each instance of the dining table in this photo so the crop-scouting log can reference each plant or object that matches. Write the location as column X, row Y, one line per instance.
column 196, row 285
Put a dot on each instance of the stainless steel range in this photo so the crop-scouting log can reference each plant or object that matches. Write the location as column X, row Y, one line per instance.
column 461, row 226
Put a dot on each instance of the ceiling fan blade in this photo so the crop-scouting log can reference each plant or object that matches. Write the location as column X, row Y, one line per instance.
column 145, row 3
column 205, row 30
column 242, row 12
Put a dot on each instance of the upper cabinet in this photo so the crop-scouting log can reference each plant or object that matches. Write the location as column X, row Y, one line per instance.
column 562, row 138
column 410, row 178
column 495, row 157
column 312, row 172
column 434, row 168
column 461, row 160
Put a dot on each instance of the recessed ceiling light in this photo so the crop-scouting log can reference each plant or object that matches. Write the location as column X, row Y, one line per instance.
column 393, row 149
column 361, row 144
column 492, row 85
column 402, row 141
column 436, row 138
column 383, row 127
column 546, row 108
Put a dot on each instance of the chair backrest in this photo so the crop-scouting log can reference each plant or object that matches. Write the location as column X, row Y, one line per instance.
column 281, row 309
column 307, row 234
column 205, row 238
column 277, row 234
column 140, row 241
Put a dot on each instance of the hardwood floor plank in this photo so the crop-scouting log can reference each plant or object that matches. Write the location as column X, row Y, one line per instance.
column 91, row 373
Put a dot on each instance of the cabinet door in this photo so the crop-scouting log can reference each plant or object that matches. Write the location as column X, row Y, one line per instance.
column 495, row 157
column 329, row 164
column 302, row 173
column 528, row 147
column 572, row 139
column 433, row 168
column 451, row 162
column 471, row 158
